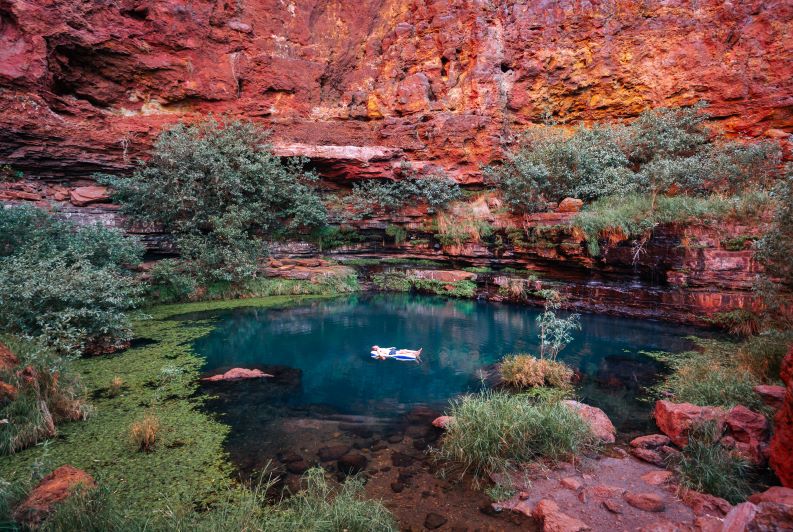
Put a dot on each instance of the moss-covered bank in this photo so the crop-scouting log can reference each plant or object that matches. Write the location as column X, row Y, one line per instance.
column 188, row 468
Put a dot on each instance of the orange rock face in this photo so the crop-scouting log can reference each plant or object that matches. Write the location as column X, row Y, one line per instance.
column 782, row 442
column 86, row 87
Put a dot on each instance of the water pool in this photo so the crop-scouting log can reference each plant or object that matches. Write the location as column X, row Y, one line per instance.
column 325, row 344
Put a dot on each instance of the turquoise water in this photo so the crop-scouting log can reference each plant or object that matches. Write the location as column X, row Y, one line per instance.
column 329, row 341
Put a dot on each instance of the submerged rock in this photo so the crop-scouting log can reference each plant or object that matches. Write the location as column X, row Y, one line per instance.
column 237, row 374
column 352, row 463
column 333, row 452
column 53, row 489
column 598, row 421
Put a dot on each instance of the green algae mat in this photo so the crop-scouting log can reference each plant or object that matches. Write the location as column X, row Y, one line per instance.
column 188, row 468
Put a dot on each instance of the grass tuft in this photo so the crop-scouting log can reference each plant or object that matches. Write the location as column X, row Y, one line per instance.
column 707, row 466
column 495, row 431
column 526, row 371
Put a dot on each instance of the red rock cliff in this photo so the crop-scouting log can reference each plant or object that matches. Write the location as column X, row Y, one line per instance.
column 86, row 85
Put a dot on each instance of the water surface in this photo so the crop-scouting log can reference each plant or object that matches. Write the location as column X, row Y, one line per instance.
column 328, row 341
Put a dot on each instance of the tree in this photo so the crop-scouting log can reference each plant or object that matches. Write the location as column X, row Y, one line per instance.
column 555, row 332
column 221, row 191
column 65, row 284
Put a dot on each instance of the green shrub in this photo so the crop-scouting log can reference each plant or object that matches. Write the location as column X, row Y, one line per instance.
column 663, row 150
column 397, row 281
column 493, row 432
column 398, row 233
column 526, row 371
column 723, row 373
column 555, row 332
column 776, row 247
column 371, row 196
column 220, row 190
column 331, row 237
column 65, row 284
column 170, row 280
column 706, row 466
column 48, row 393
column 739, row 322
column 619, row 218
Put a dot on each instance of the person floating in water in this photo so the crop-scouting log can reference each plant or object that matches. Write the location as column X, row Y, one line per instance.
column 382, row 353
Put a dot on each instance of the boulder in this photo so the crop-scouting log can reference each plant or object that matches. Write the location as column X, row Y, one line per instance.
column 651, row 441
column 598, row 421
column 237, row 374
column 442, row 422
column 433, row 521
column 762, row 517
column 676, row 419
column 53, row 489
column 352, row 463
column 781, row 456
column 570, row 205
column 650, row 456
column 553, row 519
column 704, row 503
column 332, row 452
column 649, row 502
column 82, row 196
column 772, row 396
column 775, row 494
column 748, row 433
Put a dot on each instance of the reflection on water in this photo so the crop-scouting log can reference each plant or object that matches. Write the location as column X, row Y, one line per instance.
column 328, row 342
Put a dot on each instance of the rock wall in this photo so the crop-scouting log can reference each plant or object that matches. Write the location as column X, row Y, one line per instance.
column 86, row 85
column 782, row 442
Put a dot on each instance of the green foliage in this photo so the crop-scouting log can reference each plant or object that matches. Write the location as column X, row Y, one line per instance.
column 47, row 394
column 399, row 281
column 66, row 284
column 661, row 151
column 555, row 332
column 170, row 281
column 706, row 466
column 526, row 371
column 776, row 247
column 398, row 233
column 371, row 196
column 494, row 431
column 320, row 507
column 618, row 218
column 721, row 373
column 739, row 322
column 220, row 190
column 331, row 237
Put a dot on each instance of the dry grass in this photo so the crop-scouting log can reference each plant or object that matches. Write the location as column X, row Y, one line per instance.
column 115, row 386
column 526, row 371
column 143, row 433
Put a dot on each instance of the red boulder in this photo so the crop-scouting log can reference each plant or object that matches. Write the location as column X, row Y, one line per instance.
column 53, row 489
column 8, row 359
column 238, row 374
column 749, row 431
column 676, row 419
